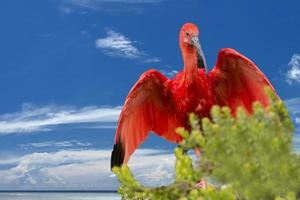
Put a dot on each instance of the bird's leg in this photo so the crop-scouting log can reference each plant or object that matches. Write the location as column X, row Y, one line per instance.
column 203, row 182
column 197, row 152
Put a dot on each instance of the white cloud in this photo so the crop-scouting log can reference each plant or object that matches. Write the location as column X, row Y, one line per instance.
column 169, row 73
column 293, row 105
column 85, row 169
column 56, row 144
column 293, row 74
column 297, row 120
column 152, row 60
column 296, row 140
column 161, row 174
column 117, row 45
column 32, row 119
column 43, row 169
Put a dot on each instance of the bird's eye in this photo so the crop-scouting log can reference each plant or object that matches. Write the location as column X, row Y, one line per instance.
column 187, row 33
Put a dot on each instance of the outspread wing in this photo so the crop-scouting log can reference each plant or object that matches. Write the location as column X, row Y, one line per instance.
column 237, row 81
column 148, row 107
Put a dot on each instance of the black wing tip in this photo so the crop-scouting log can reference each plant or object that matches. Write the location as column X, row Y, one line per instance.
column 117, row 155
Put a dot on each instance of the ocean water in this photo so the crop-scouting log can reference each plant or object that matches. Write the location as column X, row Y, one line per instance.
column 58, row 196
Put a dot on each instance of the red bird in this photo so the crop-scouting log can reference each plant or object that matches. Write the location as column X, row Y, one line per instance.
column 158, row 104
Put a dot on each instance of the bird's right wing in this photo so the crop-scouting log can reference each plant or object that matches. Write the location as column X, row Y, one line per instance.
column 238, row 82
column 148, row 107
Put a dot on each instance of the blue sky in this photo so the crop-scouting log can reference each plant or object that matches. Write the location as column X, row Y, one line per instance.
column 67, row 65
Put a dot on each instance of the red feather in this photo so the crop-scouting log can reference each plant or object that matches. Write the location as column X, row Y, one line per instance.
column 237, row 81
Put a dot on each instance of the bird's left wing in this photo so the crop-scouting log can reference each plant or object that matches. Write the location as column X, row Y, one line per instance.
column 237, row 81
column 149, row 106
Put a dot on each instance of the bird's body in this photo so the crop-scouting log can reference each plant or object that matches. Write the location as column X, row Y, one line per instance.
column 196, row 96
column 158, row 104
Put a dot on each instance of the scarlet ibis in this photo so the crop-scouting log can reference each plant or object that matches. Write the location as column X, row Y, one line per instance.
column 156, row 103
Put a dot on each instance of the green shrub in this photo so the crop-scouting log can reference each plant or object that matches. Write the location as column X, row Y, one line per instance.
column 247, row 157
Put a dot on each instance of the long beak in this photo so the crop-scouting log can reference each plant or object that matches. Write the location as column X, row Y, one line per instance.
column 200, row 55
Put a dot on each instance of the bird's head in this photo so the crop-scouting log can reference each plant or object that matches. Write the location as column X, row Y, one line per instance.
column 189, row 43
column 188, row 32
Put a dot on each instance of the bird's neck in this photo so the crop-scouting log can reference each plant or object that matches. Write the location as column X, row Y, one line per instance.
column 190, row 64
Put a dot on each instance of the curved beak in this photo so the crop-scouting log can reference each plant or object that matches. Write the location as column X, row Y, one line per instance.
column 200, row 55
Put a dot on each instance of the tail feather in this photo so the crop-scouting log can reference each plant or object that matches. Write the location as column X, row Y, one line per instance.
column 117, row 155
